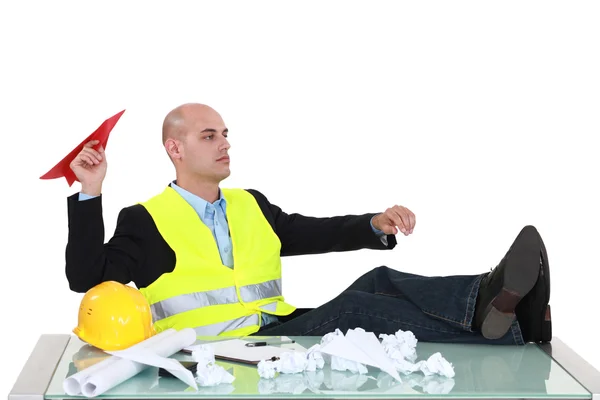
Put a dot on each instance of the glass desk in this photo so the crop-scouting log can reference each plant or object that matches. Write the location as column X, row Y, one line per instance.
column 481, row 371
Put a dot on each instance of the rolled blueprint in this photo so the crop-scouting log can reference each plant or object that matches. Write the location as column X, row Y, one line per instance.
column 72, row 385
column 107, row 378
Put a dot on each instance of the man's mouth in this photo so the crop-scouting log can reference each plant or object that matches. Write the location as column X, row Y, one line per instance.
column 224, row 158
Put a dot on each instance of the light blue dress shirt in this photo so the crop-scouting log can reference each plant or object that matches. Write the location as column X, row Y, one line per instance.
column 214, row 217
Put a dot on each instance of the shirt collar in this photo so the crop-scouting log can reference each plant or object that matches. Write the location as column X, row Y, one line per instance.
column 197, row 202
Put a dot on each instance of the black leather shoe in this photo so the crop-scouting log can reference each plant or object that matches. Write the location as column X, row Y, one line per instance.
column 501, row 290
column 533, row 313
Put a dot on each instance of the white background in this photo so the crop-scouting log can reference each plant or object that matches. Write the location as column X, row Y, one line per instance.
column 478, row 116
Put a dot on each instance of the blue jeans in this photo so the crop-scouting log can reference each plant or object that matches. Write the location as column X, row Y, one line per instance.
column 384, row 300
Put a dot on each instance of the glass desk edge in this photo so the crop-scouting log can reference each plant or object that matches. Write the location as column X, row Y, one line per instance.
column 38, row 371
column 575, row 365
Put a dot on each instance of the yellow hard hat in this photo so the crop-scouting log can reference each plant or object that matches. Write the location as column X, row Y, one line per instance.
column 114, row 316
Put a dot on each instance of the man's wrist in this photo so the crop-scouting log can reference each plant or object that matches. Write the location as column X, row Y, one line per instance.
column 374, row 221
column 91, row 190
column 377, row 231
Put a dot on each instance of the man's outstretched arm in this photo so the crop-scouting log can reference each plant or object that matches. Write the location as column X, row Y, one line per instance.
column 301, row 234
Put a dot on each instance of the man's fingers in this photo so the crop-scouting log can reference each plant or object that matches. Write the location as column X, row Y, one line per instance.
column 405, row 214
column 405, row 221
column 400, row 217
column 82, row 159
column 396, row 219
column 88, row 159
column 91, row 143
column 410, row 218
column 404, row 218
column 413, row 220
column 92, row 153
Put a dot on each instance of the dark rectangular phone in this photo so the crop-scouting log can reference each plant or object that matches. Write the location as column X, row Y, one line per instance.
column 189, row 365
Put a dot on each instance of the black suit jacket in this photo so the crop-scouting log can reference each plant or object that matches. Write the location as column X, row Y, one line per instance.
column 138, row 253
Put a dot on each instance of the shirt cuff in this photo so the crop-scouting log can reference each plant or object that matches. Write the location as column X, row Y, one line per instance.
column 83, row 196
column 382, row 236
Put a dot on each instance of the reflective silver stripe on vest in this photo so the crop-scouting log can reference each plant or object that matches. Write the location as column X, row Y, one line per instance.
column 191, row 301
column 219, row 327
column 270, row 307
column 261, row 290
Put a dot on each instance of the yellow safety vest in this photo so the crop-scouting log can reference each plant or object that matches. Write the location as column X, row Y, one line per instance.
column 201, row 292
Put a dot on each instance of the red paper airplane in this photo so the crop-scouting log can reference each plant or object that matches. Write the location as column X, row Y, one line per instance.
column 101, row 134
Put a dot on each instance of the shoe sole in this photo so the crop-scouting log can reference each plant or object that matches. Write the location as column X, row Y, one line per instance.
column 520, row 275
column 536, row 323
column 543, row 333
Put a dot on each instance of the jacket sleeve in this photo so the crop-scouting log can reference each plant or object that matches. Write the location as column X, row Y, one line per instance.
column 301, row 234
column 89, row 261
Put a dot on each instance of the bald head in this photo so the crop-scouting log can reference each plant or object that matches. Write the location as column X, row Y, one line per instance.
column 195, row 139
column 181, row 119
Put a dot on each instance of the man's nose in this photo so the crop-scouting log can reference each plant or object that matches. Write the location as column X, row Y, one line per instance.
column 225, row 145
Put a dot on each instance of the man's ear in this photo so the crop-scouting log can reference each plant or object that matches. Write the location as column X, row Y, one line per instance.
column 173, row 148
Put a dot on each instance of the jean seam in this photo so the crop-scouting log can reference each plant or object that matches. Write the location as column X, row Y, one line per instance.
column 387, row 294
column 387, row 319
column 470, row 309
column 516, row 333
column 442, row 316
column 469, row 300
column 324, row 323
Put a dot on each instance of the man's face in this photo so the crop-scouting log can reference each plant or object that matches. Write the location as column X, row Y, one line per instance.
column 204, row 147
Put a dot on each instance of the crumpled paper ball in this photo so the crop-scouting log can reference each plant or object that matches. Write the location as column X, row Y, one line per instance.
column 207, row 372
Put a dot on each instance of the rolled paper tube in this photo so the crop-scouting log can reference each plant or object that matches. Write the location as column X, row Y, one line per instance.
column 107, row 378
column 72, row 385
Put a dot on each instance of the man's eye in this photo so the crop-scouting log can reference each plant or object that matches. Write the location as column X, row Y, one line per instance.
column 208, row 137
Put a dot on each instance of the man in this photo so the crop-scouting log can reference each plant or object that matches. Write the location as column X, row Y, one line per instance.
column 209, row 258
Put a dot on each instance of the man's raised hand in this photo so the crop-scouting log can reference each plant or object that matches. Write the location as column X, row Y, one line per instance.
column 89, row 167
column 396, row 216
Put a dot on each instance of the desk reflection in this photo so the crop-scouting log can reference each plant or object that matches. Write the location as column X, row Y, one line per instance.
column 478, row 369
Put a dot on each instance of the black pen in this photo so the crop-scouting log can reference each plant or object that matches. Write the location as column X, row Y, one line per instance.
column 257, row 344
